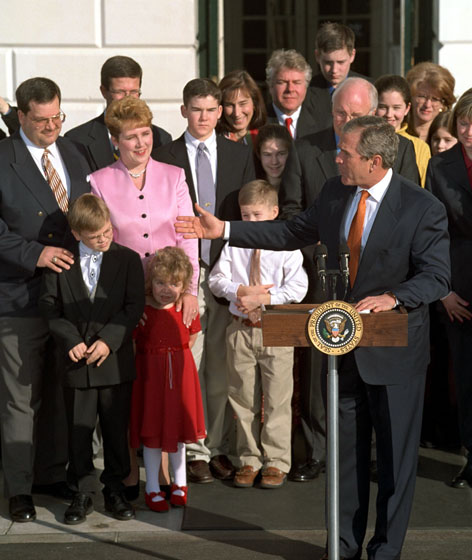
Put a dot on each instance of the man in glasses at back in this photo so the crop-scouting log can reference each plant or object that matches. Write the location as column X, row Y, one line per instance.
column 120, row 76
column 40, row 173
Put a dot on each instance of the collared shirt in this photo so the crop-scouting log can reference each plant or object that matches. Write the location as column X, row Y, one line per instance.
column 282, row 116
column 54, row 157
column 192, row 144
column 376, row 194
column 90, row 264
column 468, row 165
column 284, row 269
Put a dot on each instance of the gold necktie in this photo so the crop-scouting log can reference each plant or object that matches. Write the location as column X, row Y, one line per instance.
column 255, row 280
column 55, row 182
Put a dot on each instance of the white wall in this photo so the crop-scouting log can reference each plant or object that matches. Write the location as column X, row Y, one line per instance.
column 69, row 40
column 455, row 17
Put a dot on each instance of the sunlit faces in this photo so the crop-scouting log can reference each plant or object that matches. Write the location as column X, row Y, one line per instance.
column 258, row 212
column 273, row 155
column 238, row 108
column 41, row 132
column 335, row 65
column 202, row 114
column 96, row 240
column 166, row 292
column 464, row 132
column 121, row 87
column 351, row 102
column 353, row 168
column 442, row 140
column 288, row 90
column 427, row 103
column 135, row 145
column 392, row 108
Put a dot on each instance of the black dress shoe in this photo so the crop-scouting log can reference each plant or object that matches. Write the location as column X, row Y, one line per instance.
column 306, row 472
column 57, row 490
column 199, row 471
column 22, row 508
column 80, row 507
column 464, row 478
column 222, row 468
column 118, row 506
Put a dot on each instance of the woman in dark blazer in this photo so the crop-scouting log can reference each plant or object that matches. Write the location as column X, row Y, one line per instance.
column 449, row 177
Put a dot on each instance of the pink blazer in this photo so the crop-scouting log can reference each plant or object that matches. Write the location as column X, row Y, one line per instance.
column 144, row 220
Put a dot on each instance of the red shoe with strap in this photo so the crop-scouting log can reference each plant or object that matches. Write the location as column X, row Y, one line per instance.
column 177, row 500
column 161, row 506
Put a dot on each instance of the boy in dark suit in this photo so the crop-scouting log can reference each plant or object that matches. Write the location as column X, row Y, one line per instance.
column 92, row 309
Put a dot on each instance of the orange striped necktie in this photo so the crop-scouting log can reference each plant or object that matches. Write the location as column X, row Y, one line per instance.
column 354, row 239
column 55, row 182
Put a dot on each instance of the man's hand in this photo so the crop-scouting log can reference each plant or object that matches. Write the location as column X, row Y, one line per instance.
column 383, row 302
column 456, row 308
column 246, row 304
column 206, row 226
column 98, row 351
column 189, row 304
column 78, row 352
column 55, row 258
column 253, row 290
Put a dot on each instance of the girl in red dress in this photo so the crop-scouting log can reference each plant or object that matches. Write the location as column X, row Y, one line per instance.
column 166, row 410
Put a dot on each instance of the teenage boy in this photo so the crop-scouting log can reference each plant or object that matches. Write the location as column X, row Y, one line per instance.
column 215, row 168
column 249, row 278
column 92, row 309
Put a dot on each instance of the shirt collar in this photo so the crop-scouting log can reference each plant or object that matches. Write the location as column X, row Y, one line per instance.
column 377, row 191
column 52, row 148
column 210, row 142
column 282, row 116
column 87, row 252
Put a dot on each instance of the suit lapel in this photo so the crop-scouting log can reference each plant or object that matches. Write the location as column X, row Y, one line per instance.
column 108, row 273
column 76, row 173
column 99, row 146
column 178, row 150
column 77, row 286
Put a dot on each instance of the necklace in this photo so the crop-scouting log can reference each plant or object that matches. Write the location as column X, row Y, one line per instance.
column 137, row 175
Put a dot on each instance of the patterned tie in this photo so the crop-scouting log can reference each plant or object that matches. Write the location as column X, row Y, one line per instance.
column 55, row 182
column 288, row 124
column 354, row 239
column 255, row 280
column 206, row 193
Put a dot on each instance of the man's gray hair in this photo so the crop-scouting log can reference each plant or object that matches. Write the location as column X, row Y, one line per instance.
column 361, row 84
column 377, row 138
column 287, row 58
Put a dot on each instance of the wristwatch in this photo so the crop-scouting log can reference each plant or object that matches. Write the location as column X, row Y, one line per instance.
column 392, row 295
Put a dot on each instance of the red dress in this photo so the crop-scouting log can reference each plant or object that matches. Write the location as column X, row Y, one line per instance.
column 166, row 405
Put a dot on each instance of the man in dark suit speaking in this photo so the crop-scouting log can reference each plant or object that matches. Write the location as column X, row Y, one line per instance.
column 40, row 173
column 399, row 245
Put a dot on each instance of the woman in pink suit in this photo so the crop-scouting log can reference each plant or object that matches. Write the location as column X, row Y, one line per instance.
column 144, row 197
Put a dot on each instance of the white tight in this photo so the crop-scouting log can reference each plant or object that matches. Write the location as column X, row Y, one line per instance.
column 152, row 462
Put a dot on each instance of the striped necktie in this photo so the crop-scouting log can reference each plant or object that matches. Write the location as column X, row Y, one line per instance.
column 55, row 182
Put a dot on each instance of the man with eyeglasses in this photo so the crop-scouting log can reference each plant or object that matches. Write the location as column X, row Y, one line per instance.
column 120, row 76
column 40, row 172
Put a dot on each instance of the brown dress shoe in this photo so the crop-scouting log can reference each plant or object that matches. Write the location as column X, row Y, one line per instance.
column 244, row 478
column 199, row 471
column 272, row 477
column 222, row 468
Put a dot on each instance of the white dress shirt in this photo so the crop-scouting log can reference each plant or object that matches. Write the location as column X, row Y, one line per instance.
column 372, row 203
column 54, row 157
column 282, row 268
column 192, row 144
column 282, row 116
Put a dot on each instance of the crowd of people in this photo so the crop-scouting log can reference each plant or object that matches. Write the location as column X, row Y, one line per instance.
column 131, row 285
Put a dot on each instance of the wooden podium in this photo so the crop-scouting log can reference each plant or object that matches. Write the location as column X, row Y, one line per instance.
column 287, row 325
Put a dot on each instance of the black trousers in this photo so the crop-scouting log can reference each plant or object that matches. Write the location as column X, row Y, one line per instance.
column 112, row 406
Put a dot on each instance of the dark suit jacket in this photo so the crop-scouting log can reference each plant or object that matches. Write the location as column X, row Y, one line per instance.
column 407, row 253
column 73, row 318
column 94, row 136
column 312, row 163
column 11, row 120
column 447, row 179
column 235, row 168
column 306, row 123
column 318, row 101
column 30, row 219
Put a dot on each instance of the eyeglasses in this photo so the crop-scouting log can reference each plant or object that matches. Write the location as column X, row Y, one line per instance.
column 107, row 234
column 55, row 119
column 120, row 93
column 422, row 98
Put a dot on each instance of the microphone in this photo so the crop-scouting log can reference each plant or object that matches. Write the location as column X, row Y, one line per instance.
column 321, row 254
column 343, row 256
